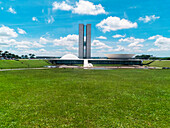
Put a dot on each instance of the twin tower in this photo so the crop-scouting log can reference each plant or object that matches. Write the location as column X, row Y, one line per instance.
column 84, row 45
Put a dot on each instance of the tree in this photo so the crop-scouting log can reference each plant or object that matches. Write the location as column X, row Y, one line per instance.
column 13, row 56
column 22, row 56
column 1, row 52
column 17, row 57
column 5, row 54
column 32, row 56
column 26, row 57
column 143, row 56
column 9, row 55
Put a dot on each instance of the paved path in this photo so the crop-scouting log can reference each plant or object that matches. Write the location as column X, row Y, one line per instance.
column 121, row 67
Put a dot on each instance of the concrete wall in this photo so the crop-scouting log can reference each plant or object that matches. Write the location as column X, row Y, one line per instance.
column 88, row 41
column 81, row 40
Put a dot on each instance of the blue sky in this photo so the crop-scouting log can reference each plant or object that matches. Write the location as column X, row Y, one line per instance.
column 50, row 27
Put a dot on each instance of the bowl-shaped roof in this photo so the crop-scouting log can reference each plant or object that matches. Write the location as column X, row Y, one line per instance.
column 119, row 56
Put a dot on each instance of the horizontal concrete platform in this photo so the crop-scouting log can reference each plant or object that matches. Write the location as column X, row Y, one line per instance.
column 97, row 61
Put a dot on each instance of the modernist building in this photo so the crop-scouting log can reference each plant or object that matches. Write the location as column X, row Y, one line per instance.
column 84, row 45
column 84, row 52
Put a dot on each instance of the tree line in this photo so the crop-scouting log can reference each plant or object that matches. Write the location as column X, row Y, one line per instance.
column 8, row 55
column 151, row 57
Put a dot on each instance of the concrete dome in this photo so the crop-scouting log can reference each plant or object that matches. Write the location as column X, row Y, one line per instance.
column 69, row 57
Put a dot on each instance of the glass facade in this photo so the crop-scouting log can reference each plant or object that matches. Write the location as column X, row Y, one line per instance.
column 123, row 62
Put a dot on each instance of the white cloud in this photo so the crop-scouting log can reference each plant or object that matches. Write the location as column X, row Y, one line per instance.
column 72, row 48
column 20, row 44
column 21, row 31
column 2, row 8
column 119, row 48
column 82, row 7
column 88, row 8
column 154, row 37
column 133, row 41
column 162, row 43
column 50, row 20
column 103, row 48
column 115, row 23
column 102, row 37
column 11, row 10
column 135, row 44
column 36, row 45
column 69, row 41
column 6, row 32
column 34, row 19
column 99, row 45
column 5, row 42
column 61, row 6
column 22, row 47
column 118, row 36
column 146, row 19
column 43, row 40
column 127, row 49
column 54, row 52
column 27, row 44
column 42, row 50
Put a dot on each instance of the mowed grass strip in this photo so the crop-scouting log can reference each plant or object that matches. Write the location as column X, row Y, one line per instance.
column 35, row 63
column 157, row 63
column 85, row 98
column 10, row 64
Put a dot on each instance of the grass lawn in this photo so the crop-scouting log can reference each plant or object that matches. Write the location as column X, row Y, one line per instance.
column 158, row 63
column 85, row 98
column 8, row 64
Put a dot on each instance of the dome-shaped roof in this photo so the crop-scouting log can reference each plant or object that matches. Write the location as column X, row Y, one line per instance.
column 69, row 57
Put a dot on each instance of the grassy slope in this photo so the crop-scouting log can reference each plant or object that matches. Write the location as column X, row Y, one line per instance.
column 7, row 64
column 84, row 98
column 35, row 63
column 158, row 63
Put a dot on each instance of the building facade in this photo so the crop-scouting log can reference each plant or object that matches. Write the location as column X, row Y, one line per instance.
column 84, row 45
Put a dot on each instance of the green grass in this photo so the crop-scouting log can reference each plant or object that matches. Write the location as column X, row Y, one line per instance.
column 8, row 64
column 35, row 63
column 85, row 98
column 146, row 61
column 158, row 63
